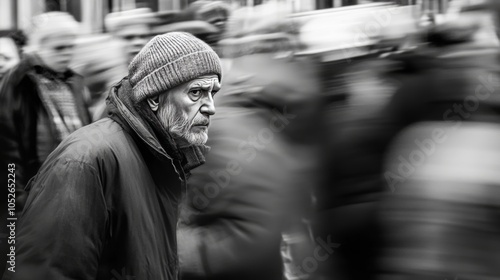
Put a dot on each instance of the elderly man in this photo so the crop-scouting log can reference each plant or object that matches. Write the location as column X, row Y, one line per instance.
column 105, row 203
column 41, row 100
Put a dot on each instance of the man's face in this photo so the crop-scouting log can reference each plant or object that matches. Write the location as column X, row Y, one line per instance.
column 8, row 55
column 186, row 109
column 135, row 36
column 57, row 51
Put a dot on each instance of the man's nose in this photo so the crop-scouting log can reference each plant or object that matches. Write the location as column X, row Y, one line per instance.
column 208, row 106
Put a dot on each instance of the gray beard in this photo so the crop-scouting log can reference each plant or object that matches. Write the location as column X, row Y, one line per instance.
column 178, row 125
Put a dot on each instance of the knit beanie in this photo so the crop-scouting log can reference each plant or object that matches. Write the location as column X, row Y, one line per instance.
column 169, row 60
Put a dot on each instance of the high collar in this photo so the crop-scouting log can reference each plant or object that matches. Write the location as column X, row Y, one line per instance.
column 141, row 121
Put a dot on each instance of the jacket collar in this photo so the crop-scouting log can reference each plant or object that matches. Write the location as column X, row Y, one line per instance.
column 145, row 125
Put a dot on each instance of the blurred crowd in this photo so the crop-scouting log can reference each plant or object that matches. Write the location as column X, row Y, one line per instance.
column 376, row 160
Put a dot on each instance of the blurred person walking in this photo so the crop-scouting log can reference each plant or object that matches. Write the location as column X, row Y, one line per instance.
column 41, row 100
column 257, row 180
column 105, row 203
column 387, row 236
column 440, row 219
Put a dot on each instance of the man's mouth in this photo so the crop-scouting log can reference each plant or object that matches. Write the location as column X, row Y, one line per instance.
column 202, row 124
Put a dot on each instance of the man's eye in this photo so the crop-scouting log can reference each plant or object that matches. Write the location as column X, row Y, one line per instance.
column 195, row 94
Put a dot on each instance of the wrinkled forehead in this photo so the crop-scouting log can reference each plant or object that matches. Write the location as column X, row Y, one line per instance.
column 205, row 81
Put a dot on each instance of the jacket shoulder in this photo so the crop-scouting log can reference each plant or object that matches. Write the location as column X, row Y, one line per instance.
column 103, row 139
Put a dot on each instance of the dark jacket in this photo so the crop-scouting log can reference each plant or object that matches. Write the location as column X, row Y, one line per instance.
column 24, row 122
column 104, row 204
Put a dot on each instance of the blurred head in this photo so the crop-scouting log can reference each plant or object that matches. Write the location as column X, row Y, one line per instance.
column 135, row 37
column 133, row 27
column 52, row 37
column 469, row 22
column 9, row 55
column 101, row 60
column 179, row 84
column 56, row 51
column 215, row 13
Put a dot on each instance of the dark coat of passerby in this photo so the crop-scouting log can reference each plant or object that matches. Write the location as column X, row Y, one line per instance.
column 42, row 101
column 104, row 204
column 256, row 179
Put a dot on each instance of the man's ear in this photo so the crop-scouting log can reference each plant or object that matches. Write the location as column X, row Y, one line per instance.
column 153, row 103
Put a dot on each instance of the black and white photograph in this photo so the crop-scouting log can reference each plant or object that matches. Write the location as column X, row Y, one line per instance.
column 250, row 139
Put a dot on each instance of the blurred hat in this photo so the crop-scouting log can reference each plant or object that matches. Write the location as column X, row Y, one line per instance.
column 209, row 11
column 49, row 24
column 118, row 20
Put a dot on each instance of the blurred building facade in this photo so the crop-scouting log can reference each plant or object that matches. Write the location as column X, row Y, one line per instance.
column 16, row 14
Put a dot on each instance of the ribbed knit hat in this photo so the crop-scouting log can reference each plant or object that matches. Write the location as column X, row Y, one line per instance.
column 169, row 60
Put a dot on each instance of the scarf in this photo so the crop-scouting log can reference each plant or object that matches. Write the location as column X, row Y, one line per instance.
column 59, row 102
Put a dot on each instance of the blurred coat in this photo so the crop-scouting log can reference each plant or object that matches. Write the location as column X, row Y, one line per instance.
column 435, row 85
column 255, row 179
column 105, row 203
column 350, row 185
